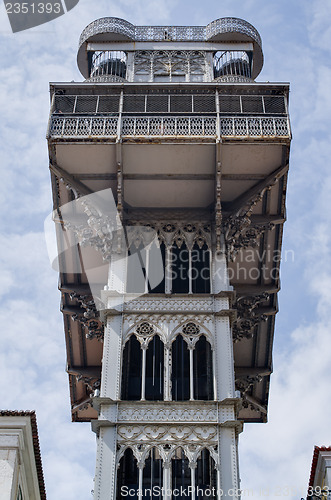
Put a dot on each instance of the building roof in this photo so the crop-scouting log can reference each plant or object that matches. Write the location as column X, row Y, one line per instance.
column 317, row 450
column 35, row 439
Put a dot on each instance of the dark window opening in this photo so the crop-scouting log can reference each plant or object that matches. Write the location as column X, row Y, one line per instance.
column 180, row 370
column 200, row 269
column 203, row 370
column 128, row 475
column 181, row 474
column 205, row 476
column 152, row 476
column 154, row 271
column 131, row 374
column 154, row 369
column 179, row 269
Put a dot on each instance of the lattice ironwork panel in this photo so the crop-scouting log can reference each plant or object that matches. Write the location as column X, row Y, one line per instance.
column 169, row 126
column 108, row 104
column 70, row 127
column 83, row 127
column 98, row 126
column 282, row 127
column 56, row 127
column 254, row 127
column 268, row 126
column 86, row 104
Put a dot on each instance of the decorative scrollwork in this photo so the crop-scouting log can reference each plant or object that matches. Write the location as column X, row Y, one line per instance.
column 90, row 318
column 240, row 233
column 145, row 329
column 170, row 234
column 244, row 384
column 248, row 316
column 191, row 329
column 91, row 383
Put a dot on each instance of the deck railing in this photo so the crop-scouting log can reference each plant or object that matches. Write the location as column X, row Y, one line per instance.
column 81, row 127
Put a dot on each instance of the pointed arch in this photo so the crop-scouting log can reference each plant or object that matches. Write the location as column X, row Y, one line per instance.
column 205, row 475
column 127, row 474
column 203, row 381
column 152, row 474
column 131, row 370
column 180, row 472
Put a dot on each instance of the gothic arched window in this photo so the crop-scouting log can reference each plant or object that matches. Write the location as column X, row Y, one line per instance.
column 180, row 475
column 203, row 370
column 131, row 372
column 154, row 382
column 205, row 476
column 192, row 366
column 180, row 370
column 143, row 366
column 152, row 476
column 127, row 475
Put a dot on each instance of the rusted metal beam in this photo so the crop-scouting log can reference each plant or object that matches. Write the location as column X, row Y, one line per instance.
column 255, row 289
column 262, row 371
column 70, row 179
column 258, row 188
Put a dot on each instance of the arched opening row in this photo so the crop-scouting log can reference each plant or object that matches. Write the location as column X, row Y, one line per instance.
column 181, row 480
column 190, row 372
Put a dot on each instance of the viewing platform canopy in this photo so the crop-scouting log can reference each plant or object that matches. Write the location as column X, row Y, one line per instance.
column 227, row 49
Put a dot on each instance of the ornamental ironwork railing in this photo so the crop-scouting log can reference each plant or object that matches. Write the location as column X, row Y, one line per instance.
column 174, row 33
column 171, row 103
column 170, row 126
column 232, row 24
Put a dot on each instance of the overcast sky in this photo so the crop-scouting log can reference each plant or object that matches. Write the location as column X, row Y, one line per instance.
column 296, row 37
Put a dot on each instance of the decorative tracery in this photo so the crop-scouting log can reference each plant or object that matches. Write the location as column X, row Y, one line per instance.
column 170, row 65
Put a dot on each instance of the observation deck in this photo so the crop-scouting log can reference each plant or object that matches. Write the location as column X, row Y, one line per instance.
column 234, row 44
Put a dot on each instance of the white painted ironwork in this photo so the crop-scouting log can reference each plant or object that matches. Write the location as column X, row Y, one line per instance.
column 174, row 33
column 82, row 127
column 160, row 103
column 172, row 126
column 169, row 126
column 232, row 24
column 254, row 127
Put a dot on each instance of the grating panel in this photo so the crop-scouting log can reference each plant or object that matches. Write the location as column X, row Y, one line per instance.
column 134, row 104
column 230, row 104
column 181, row 104
column 252, row 104
column 157, row 103
column 204, row 104
column 274, row 104
column 86, row 104
column 64, row 103
column 109, row 104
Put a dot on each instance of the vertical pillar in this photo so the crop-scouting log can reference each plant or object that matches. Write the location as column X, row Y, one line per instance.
column 228, row 477
column 167, row 480
column 105, row 474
